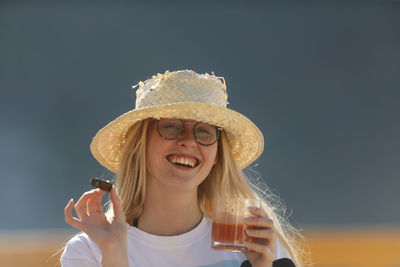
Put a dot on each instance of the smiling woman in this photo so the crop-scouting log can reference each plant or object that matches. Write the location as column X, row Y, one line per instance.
column 173, row 154
column 179, row 159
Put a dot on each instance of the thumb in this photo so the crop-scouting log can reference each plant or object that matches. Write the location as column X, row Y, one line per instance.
column 116, row 204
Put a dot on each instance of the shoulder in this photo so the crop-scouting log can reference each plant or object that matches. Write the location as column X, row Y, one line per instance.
column 80, row 240
column 81, row 248
column 281, row 251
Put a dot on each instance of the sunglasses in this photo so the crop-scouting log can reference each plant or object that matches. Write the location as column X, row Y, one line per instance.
column 204, row 134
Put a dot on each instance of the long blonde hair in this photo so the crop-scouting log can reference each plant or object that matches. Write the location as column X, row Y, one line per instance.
column 225, row 178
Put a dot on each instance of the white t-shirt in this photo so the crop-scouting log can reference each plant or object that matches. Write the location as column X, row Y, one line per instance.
column 144, row 250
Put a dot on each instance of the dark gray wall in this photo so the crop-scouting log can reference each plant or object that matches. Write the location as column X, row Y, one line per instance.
column 321, row 80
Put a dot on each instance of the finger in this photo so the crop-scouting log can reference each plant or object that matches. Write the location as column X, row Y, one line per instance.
column 261, row 233
column 69, row 218
column 258, row 212
column 260, row 221
column 263, row 249
column 94, row 204
column 80, row 206
column 116, row 204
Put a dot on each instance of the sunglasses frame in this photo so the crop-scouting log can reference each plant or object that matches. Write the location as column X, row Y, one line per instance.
column 218, row 131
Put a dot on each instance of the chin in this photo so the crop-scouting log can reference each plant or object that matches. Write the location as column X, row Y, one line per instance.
column 183, row 184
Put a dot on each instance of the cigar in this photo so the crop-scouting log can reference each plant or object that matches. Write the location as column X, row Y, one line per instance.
column 105, row 185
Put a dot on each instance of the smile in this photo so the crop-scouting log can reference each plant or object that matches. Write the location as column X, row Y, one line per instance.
column 183, row 160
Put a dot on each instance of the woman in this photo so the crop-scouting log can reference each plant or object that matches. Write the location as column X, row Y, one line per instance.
column 172, row 155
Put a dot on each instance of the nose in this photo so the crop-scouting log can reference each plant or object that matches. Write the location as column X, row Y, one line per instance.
column 186, row 139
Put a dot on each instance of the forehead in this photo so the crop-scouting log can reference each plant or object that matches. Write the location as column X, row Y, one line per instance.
column 189, row 121
column 184, row 120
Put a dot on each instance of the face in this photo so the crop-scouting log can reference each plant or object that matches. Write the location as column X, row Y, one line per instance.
column 180, row 164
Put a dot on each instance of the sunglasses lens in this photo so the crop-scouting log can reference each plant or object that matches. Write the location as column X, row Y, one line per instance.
column 170, row 128
column 205, row 134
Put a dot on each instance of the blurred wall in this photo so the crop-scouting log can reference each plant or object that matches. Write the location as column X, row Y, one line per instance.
column 321, row 80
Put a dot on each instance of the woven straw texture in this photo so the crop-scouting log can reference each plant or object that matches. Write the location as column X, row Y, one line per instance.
column 185, row 95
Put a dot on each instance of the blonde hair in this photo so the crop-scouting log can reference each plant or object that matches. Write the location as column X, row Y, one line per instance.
column 225, row 178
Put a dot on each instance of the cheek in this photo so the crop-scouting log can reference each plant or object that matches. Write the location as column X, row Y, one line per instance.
column 212, row 156
column 153, row 148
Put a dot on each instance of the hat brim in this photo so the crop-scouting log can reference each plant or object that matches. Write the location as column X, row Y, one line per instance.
column 245, row 139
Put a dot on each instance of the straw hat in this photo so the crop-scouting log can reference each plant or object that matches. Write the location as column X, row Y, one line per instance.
column 186, row 95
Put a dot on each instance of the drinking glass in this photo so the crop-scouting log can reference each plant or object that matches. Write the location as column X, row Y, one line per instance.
column 228, row 222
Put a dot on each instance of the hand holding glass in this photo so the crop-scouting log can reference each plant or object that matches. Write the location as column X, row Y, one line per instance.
column 228, row 223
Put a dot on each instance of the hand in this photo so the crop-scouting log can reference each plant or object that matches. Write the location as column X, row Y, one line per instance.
column 261, row 230
column 109, row 235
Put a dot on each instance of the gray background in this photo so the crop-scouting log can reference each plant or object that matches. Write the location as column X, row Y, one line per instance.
column 320, row 79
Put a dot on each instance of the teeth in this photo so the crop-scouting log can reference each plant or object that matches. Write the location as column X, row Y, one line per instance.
column 183, row 161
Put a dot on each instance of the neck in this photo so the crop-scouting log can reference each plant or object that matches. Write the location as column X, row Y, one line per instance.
column 169, row 213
